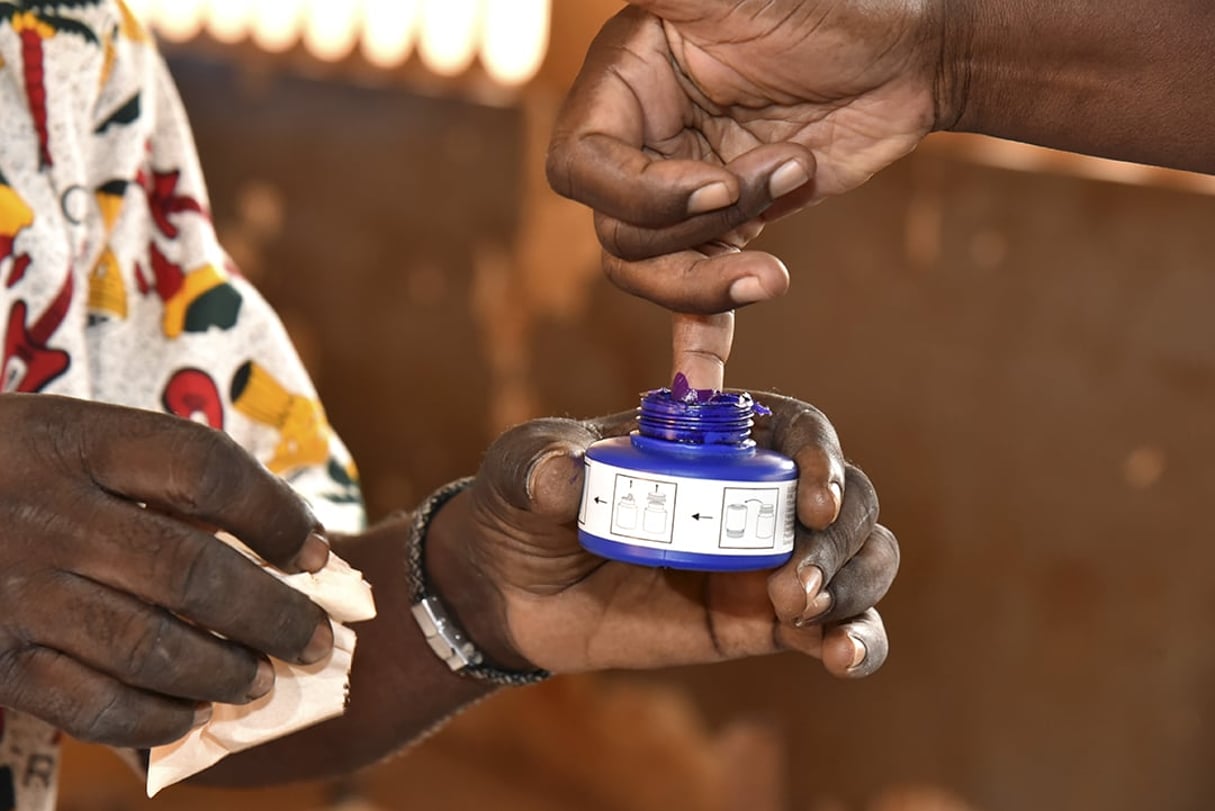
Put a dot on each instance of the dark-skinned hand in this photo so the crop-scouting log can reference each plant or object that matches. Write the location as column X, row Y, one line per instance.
column 505, row 556
column 695, row 122
column 111, row 578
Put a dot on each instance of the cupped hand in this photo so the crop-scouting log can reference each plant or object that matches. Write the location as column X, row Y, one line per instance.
column 111, row 579
column 507, row 560
column 695, row 122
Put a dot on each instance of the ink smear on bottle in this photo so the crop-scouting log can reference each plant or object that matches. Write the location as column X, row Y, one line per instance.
column 690, row 489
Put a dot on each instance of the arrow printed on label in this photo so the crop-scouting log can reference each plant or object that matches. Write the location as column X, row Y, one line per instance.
column 598, row 500
column 698, row 516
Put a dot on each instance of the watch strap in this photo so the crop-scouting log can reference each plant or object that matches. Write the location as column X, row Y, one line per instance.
column 445, row 637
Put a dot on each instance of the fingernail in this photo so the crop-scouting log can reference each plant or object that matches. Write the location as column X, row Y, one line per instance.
column 533, row 472
column 817, row 600
column 263, row 681
column 789, row 176
column 314, row 554
column 818, row 606
column 202, row 715
column 710, row 198
column 837, row 495
column 811, row 578
column 859, row 652
column 319, row 645
column 747, row 290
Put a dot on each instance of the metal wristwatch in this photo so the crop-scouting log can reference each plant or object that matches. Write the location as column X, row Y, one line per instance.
column 445, row 638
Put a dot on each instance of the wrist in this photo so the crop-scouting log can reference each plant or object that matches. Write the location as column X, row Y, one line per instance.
column 457, row 577
column 952, row 28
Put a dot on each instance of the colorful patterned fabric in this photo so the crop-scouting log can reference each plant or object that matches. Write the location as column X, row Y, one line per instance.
column 113, row 286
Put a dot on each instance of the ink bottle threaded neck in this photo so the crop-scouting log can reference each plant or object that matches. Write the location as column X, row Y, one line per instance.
column 714, row 418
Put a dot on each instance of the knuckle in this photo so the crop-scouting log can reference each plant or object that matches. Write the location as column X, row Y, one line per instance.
column 31, row 685
column 14, row 682
column 244, row 603
column 122, row 718
column 888, row 548
column 859, row 488
column 209, row 470
column 823, row 549
column 109, row 721
column 198, row 582
column 27, row 597
column 277, row 621
column 52, row 429
column 147, row 658
column 615, row 270
column 614, row 236
column 202, row 484
column 802, row 426
column 557, row 166
column 720, row 224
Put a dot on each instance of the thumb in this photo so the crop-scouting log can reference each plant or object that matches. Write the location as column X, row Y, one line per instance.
column 536, row 467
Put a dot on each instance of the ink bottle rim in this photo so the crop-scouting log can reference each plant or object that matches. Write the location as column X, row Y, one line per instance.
column 696, row 420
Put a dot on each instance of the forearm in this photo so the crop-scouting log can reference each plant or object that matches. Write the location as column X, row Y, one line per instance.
column 1124, row 79
column 399, row 689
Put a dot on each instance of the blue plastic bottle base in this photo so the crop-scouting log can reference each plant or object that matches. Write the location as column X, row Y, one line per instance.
column 689, row 489
column 645, row 556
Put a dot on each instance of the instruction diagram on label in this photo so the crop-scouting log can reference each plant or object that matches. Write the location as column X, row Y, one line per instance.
column 642, row 508
column 687, row 514
column 749, row 517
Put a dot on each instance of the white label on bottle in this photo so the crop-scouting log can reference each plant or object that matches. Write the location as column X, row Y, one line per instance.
column 703, row 516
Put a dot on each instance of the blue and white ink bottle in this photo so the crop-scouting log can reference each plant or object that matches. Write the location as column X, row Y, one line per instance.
column 690, row 489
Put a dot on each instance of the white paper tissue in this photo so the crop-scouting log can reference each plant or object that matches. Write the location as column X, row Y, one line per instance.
column 302, row 695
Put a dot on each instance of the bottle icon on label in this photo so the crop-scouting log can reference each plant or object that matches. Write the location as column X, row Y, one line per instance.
column 736, row 520
column 626, row 512
column 654, row 520
column 766, row 523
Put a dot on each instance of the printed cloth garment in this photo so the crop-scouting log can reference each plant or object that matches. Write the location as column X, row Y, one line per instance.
column 113, row 286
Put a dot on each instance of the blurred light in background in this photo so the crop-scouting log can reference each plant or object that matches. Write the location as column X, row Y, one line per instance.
column 514, row 38
column 228, row 20
column 388, row 30
column 331, row 28
column 450, row 34
column 276, row 25
column 177, row 20
column 509, row 36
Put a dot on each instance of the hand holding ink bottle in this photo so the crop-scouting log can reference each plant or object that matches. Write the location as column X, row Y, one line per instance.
column 690, row 489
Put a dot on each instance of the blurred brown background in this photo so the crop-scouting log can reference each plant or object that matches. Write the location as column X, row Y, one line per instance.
column 1017, row 346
